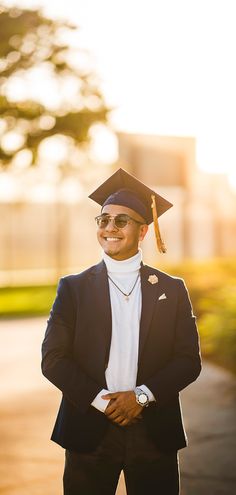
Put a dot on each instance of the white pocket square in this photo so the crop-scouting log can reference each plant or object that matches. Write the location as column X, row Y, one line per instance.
column 163, row 296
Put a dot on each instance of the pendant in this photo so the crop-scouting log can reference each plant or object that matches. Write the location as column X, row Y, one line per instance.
column 127, row 298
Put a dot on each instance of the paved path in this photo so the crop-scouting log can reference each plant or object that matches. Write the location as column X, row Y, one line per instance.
column 32, row 465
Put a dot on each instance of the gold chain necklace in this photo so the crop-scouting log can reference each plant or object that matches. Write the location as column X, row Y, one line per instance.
column 124, row 294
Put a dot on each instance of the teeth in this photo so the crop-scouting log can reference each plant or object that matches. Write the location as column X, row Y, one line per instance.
column 112, row 238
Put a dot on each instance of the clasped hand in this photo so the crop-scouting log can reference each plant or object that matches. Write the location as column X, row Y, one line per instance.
column 122, row 408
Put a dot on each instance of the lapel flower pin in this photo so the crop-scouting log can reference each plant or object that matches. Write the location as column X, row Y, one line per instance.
column 153, row 279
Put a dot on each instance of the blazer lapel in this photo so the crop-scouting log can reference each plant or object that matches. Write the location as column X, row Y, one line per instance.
column 150, row 294
column 101, row 307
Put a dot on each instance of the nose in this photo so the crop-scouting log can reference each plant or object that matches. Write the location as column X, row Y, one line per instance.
column 111, row 225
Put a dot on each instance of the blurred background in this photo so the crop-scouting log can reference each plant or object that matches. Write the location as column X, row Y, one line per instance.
column 87, row 87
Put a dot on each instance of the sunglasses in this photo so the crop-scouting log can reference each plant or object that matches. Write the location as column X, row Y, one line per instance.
column 120, row 221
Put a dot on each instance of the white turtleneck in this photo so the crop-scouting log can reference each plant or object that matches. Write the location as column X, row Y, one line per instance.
column 121, row 372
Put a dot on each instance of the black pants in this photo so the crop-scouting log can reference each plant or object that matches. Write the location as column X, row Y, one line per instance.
column 146, row 469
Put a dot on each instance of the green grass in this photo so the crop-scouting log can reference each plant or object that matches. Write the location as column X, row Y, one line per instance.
column 26, row 301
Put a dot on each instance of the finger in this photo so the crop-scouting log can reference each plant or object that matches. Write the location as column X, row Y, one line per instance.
column 114, row 415
column 110, row 409
column 108, row 405
column 110, row 396
column 124, row 422
column 119, row 420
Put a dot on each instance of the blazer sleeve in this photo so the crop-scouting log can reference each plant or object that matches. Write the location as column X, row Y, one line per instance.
column 58, row 364
column 185, row 363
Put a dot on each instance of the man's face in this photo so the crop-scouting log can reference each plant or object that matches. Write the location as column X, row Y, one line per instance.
column 121, row 244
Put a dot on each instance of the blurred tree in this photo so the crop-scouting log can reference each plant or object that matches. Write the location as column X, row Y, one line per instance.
column 47, row 87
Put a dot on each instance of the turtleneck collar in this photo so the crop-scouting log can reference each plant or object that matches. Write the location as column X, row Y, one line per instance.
column 125, row 266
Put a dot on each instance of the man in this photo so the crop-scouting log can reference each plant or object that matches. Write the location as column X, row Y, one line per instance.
column 121, row 343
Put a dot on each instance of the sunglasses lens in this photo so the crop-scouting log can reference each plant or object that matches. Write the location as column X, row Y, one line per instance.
column 121, row 221
column 102, row 222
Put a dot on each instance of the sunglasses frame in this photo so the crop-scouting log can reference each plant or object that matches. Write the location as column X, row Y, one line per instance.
column 106, row 216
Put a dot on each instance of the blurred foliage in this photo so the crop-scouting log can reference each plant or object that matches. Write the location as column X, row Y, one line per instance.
column 212, row 288
column 30, row 41
column 26, row 301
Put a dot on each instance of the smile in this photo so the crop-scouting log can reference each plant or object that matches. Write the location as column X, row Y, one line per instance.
column 112, row 239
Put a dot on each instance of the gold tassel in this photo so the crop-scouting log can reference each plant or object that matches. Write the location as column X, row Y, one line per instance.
column 160, row 242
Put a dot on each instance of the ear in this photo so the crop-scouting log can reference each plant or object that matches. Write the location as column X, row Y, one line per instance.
column 143, row 231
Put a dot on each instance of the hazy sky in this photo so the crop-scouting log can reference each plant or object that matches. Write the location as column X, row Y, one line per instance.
column 168, row 66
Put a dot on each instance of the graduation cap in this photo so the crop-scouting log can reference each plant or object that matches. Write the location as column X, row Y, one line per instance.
column 124, row 189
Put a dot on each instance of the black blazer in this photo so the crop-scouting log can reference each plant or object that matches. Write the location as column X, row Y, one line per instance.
column 76, row 351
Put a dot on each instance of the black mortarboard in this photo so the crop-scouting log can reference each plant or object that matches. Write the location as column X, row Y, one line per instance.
column 124, row 189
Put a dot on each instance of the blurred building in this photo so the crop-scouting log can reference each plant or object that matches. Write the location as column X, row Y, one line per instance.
column 202, row 223
column 48, row 229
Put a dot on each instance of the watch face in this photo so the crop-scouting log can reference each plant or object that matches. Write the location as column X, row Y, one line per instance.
column 142, row 398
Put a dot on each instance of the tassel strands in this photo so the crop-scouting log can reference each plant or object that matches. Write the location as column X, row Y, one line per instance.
column 160, row 242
